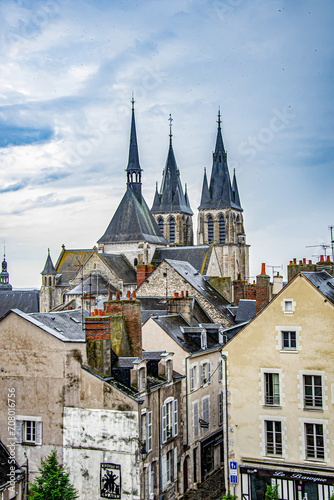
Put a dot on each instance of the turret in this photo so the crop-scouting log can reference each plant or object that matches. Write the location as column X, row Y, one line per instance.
column 4, row 276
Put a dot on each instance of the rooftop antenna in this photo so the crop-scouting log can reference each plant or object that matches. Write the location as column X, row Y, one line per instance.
column 332, row 242
column 323, row 246
column 275, row 267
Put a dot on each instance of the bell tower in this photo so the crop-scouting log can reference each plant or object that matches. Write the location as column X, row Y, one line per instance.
column 48, row 288
column 4, row 276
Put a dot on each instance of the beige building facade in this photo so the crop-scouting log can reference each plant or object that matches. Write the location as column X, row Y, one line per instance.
column 280, row 386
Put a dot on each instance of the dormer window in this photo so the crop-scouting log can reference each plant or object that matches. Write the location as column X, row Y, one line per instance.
column 203, row 339
column 141, row 379
column 169, row 370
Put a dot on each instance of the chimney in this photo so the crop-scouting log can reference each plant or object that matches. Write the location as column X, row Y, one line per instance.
column 181, row 305
column 143, row 271
column 263, row 268
column 262, row 289
column 277, row 284
column 238, row 290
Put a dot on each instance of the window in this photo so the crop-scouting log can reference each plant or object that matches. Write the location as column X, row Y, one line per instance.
column 193, row 377
column 206, row 412
column 196, row 420
column 273, row 438
column 149, row 431
column 221, row 229
column 220, row 371
column 205, row 374
column 288, row 305
column 169, row 420
column 172, row 231
column 220, row 408
column 161, row 226
column 272, row 395
column 314, row 441
column 203, row 339
column 29, row 431
column 312, row 391
column 210, row 229
column 169, row 466
column 141, row 379
column 289, row 340
column 150, row 476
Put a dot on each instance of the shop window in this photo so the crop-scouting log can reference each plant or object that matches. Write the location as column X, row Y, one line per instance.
column 312, row 391
column 272, row 393
column 315, row 449
column 273, row 438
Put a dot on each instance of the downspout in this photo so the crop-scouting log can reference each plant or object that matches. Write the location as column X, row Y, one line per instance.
column 187, row 395
column 160, row 465
column 226, row 467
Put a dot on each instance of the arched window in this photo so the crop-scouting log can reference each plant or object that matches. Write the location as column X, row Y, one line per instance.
column 210, row 229
column 172, row 231
column 221, row 229
column 161, row 226
column 135, row 262
column 50, row 282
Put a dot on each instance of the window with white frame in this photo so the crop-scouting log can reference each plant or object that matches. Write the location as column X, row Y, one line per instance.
column 289, row 340
column 193, row 377
column 206, row 412
column 273, row 437
column 314, row 434
column 169, row 458
column 220, row 408
column 205, row 373
column 312, row 391
column 272, row 390
column 196, row 420
column 288, row 306
column 169, row 420
column 28, row 431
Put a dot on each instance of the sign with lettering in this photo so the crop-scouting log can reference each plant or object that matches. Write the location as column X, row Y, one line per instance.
column 110, row 481
column 289, row 474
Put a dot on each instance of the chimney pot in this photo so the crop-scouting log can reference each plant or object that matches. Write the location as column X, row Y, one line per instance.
column 128, row 295
column 176, row 295
column 99, row 312
column 118, row 296
column 304, row 260
column 300, row 262
column 110, row 296
column 295, row 261
column 182, row 294
column 328, row 259
column 290, row 262
column 239, row 277
column 134, row 294
column 263, row 268
column 92, row 313
column 310, row 262
column 187, row 293
column 95, row 312
column 321, row 258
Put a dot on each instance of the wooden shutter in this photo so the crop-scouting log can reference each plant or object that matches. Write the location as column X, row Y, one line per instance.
column 220, row 371
column 202, row 374
column 205, row 410
column 39, row 433
column 209, row 372
column 196, row 428
column 164, row 424
column 192, row 379
column 175, row 420
column 164, row 472
column 175, row 465
column 149, row 431
column 220, row 408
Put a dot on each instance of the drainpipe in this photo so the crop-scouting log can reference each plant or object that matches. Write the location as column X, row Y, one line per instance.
column 187, row 395
column 226, row 467
column 160, row 465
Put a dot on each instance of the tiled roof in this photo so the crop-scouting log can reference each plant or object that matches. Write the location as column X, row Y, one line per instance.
column 94, row 284
column 246, row 310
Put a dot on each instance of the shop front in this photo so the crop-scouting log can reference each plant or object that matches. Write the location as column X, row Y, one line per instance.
column 293, row 483
column 212, row 454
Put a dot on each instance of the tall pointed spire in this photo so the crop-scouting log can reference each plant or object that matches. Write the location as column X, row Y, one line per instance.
column 205, row 190
column 4, row 275
column 219, row 141
column 49, row 267
column 235, row 191
column 133, row 169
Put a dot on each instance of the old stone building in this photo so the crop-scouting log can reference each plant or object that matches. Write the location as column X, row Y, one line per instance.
column 171, row 208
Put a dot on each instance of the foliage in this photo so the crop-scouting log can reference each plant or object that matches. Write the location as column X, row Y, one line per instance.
column 229, row 496
column 271, row 493
column 53, row 482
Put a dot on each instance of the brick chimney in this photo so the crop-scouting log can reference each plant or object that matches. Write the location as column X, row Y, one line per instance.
column 262, row 289
column 238, row 290
column 112, row 333
column 181, row 305
column 143, row 271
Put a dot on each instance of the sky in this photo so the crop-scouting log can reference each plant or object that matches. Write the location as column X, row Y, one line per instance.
column 67, row 73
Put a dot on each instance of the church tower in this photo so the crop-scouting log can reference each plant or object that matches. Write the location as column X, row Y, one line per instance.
column 220, row 219
column 5, row 286
column 171, row 208
column 47, row 293
column 132, row 230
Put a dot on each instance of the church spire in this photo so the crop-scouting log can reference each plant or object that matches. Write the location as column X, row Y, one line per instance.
column 205, row 190
column 219, row 141
column 235, row 191
column 49, row 267
column 133, row 169
column 4, row 275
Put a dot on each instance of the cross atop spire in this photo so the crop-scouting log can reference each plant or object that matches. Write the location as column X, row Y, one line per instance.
column 170, row 119
column 133, row 101
column 219, row 119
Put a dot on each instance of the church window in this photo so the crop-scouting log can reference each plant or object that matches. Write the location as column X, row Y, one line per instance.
column 210, row 229
column 221, row 229
column 172, row 231
column 161, row 225
column 50, row 282
column 135, row 262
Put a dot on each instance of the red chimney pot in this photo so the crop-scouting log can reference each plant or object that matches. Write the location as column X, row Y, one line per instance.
column 133, row 294
column 118, row 296
column 263, row 268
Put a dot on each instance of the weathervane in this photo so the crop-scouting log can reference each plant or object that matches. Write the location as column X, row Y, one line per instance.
column 170, row 119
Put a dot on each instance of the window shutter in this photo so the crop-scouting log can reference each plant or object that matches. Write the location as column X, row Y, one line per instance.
column 205, row 409
column 220, row 371
column 192, row 379
column 18, row 431
column 164, row 472
column 164, row 424
column 149, row 431
column 175, row 465
column 39, row 433
column 149, row 480
column 175, row 422
column 202, row 375
column 196, row 429
column 220, row 408
column 209, row 373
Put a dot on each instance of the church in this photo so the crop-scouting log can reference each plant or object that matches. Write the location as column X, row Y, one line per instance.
column 138, row 238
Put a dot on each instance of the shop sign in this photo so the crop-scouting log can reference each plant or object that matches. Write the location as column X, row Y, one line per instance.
column 110, row 481
column 292, row 475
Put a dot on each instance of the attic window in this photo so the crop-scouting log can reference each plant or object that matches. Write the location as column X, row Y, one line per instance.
column 329, row 283
column 58, row 329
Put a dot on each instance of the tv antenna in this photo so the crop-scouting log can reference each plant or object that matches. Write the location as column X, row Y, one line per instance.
column 323, row 246
column 275, row 267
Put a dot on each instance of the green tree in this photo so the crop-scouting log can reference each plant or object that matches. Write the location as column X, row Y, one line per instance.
column 229, row 496
column 53, row 482
column 271, row 493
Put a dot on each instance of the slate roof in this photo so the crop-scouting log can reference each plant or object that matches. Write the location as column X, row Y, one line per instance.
column 198, row 256
column 323, row 281
column 69, row 263
column 180, row 331
column 233, row 330
column 246, row 310
column 65, row 325
column 133, row 222
column 156, row 306
column 120, row 265
column 6, row 461
column 94, row 284
column 49, row 267
column 195, row 279
column 25, row 300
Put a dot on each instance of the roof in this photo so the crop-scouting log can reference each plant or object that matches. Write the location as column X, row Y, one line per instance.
column 180, row 331
column 49, row 267
column 198, row 256
column 95, row 284
column 133, row 222
column 156, row 306
column 25, row 300
column 323, row 281
column 120, row 265
column 6, row 463
column 69, row 264
column 246, row 310
column 197, row 281
column 133, row 162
